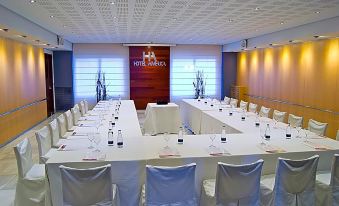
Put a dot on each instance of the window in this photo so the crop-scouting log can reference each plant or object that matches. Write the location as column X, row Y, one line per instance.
column 85, row 75
column 183, row 74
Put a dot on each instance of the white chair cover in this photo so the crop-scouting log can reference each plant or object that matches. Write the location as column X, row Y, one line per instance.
column 44, row 139
column 243, row 105
column 227, row 100
column 75, row 114
column 82, row 108
column 30, row 189
column 171, row 185
column 316, row 127
column 279, row 116
column 54, row 130
column 91, row 186
column 69, row 120
column 234, row 185
column 62, row 126
column 264, row 111
column 252, row 107
column 234, row 102
column 294, row 182
column 295, row 121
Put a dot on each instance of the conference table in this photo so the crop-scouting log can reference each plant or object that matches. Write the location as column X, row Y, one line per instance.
column 128, row 163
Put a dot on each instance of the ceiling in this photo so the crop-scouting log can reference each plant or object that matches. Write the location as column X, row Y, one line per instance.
column 170, row 21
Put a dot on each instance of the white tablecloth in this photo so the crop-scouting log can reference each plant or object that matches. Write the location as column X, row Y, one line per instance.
column 162, row 118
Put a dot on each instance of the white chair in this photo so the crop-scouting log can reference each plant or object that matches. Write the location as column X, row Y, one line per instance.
column 75, row 114
column 264, row 111
column 63, row 126
column 243, row 105
column 82, row 108
column 279, row 116
column 234, row 185
column 316, row 127
column 54, row 130
column 69, row 120
column 293, row 184
column 44, row 139
column 295, row 121
column 170, row 186
column 30, row 188
column 227, row 100
column 234, row 102
column 252, row 107
column 328, row 185
column 91, row 186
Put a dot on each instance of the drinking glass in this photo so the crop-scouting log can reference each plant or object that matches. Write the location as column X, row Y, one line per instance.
column 212, row 137
column 298, row 132
column 262, row 135
column 98, row 125
column 166, row 138
column 97, row 140
column 90, row 137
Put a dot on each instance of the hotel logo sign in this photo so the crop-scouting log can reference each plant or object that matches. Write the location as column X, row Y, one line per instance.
column 149, row 59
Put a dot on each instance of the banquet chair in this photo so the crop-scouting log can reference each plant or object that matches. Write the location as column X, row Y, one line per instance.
column 327, row 183
column 252, row 107
column 30, row 188
column 69, row 120
column 75, row 114
column 44, row 139
column 82, row 108
column 169, row 186
column 293, row 184
column 227, row 100
column 234, row 185
column 264, row 111
column 279, row 116
column 63, row 127
column 295, row 121
column 54, row 130
column 316, row 127
column 234, row 102
column 243, row 105
column 92, row 186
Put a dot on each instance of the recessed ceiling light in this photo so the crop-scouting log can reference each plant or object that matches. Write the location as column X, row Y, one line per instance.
column 51, row 16
column 175, row 19
column 32, row 1
column 282, row 22
column 115, row 17
column 112, row 2
column 5, row 30
column 317, row 12
column 22, row 36
column 319, row 36
column 257, row 8
column 64, row 26
column 230, row 20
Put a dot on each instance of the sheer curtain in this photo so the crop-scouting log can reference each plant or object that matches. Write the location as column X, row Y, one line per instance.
column 111, row 59
column 186, row 60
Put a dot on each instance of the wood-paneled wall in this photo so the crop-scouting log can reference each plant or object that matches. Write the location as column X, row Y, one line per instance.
column 22, row 82
column 304, row 76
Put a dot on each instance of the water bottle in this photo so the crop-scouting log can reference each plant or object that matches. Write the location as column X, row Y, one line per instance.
column 223, row 134
column 220, row 108
column 243, row 115
column 231, row 111
column 119, row 100
column 268, row 132
column 181, row 136
column 257, row 120
column 110, row 125
column 110, row 137
column 288, row 131
column 120, row 141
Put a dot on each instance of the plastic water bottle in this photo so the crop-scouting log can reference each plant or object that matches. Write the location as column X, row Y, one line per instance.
column 223, row 134
column 268, row 132
column 110, row 137
column 181, row 136
column 243, row 115
column 257, row 120
column 288, row 131
column 120, row 141
column 231, row 111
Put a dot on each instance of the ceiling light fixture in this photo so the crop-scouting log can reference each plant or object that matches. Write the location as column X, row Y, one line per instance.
column 282, row 22
column 320, row 37
column 22, row 36
column 112, row 2
column 317, row 12
column 5, row 30
column 257, row 8
column 51, row 16
column 32, row 1
column 230, row 20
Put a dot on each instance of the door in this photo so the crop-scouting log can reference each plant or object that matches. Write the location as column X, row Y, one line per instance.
column 49, row 84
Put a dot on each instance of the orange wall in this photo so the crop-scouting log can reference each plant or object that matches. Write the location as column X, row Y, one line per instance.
column 22, row 82
column 305, row 74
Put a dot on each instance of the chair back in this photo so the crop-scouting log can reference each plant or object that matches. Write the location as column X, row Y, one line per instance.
column 23, row 154
column 44, row 139
column 227, row 100
column 238, row 184
column 334, row 183
column 54, row 130
column 75, row 114
column 69, row 120
column 316, row 127
column 252, row 107
column 82, row 108
column 295, row 121
column 171, row 185
column 62, row 125
column 234, row 102
column 243, row 105
column 295, row 180
column 279, row 116
column 264, row 111
column 91, row 186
